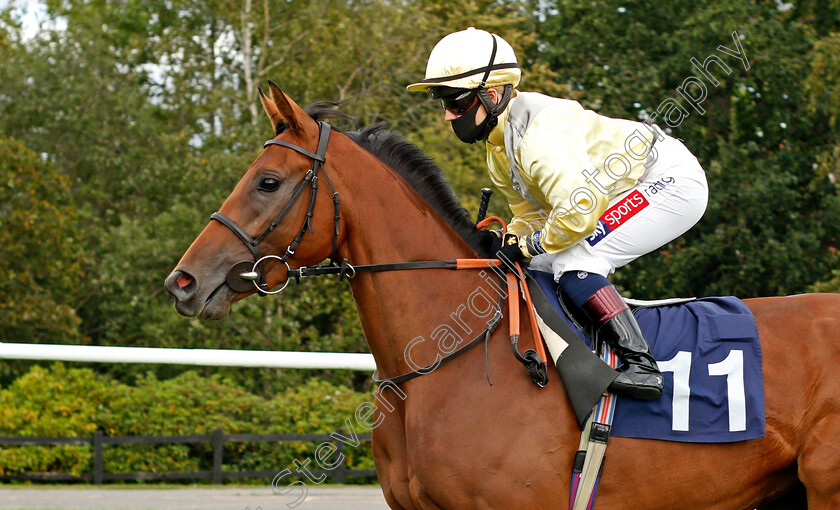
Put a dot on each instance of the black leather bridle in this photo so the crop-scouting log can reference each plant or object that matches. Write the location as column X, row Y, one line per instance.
column 244, row 274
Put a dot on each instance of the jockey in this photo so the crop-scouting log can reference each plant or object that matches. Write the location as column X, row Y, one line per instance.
column 588, row 193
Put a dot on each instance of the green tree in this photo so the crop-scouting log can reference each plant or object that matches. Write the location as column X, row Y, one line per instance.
column 41, row 253
column 771, row 217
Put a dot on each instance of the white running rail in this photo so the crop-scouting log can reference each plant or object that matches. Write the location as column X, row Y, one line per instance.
column 207, row 357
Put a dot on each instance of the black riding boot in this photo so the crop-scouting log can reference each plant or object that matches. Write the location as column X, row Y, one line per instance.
column 639, row 377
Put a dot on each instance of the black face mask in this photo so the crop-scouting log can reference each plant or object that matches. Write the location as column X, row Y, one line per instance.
column 465, row 127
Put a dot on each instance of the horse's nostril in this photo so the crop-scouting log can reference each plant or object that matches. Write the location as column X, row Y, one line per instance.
column 184, row 280
column 181, row 285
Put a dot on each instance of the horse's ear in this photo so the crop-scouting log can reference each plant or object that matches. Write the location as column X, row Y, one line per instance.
column 286, row 108
column 270, row 109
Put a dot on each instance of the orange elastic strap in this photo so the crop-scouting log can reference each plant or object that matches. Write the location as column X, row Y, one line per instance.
column 513, row 304
column 486, row 222
column 513, row 289
column 538, row 341
column 477, row 263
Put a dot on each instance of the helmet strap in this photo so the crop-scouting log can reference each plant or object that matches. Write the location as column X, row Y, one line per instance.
column 465, row 127
column 490, row 64
column 498, row 108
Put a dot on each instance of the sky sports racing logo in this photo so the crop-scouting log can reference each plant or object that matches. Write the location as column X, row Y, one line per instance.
column 617, row 215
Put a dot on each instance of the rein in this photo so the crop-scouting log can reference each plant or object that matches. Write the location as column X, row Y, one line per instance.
column 246, row 273
column 531, row 359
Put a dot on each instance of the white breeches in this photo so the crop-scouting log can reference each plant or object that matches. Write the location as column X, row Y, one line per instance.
column 667, row 201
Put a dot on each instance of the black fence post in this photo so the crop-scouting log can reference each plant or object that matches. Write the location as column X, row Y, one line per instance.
column 97, row 457
column 218, row 443
column 339, row 472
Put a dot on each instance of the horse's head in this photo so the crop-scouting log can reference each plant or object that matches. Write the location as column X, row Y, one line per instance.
column 274, row 214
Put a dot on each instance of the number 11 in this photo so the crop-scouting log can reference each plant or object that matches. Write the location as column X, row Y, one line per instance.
column 732, row 367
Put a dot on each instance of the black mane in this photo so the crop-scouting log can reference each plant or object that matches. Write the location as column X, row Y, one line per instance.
column 418, row 169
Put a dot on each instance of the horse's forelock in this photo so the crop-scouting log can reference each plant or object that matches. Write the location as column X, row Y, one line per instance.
column 281, row 126
column 324, row 110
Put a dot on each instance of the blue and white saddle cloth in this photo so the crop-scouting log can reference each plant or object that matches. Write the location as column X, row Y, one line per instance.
column 709, row 352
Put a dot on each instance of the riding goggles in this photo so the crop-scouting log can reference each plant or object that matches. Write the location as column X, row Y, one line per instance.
column 458, row 102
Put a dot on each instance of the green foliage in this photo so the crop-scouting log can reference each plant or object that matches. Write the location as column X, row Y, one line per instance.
column 40, row 250
column 823, row 84
column 144, row 174
column 772, row 217
column 76, row 402
column 51, row 403
column 830, row 285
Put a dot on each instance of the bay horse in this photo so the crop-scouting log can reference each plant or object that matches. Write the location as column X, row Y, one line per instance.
column 455, row 441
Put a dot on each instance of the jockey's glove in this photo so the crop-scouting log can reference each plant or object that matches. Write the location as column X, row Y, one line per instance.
column 511, row 250
column 491, row 241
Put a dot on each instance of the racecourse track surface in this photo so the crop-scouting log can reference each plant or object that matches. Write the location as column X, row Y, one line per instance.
column 221, row 498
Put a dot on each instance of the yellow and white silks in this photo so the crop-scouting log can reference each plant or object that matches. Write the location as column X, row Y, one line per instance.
column 561, row 168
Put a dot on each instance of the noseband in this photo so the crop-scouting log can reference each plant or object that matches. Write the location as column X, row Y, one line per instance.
column 244, row 274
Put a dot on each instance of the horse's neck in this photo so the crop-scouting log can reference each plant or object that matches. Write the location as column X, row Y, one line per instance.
column 386, row 221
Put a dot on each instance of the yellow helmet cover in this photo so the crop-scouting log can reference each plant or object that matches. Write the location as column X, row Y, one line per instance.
column 470, row 59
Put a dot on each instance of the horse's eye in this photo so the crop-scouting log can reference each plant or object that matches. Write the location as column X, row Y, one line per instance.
column 268, row 184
